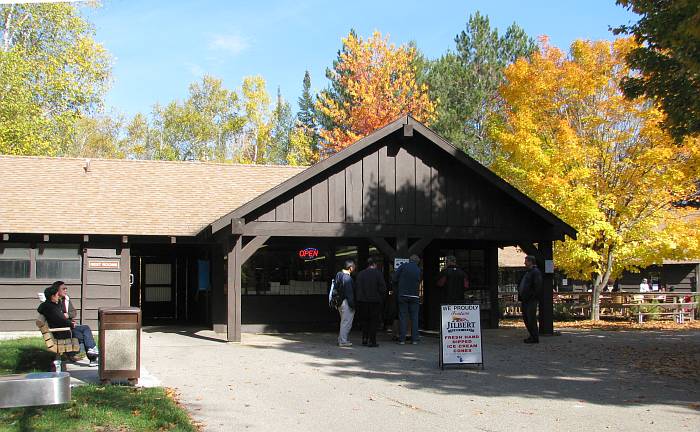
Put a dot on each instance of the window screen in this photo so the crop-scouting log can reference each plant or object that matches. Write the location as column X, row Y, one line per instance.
column 58, row 262
column 14, row 261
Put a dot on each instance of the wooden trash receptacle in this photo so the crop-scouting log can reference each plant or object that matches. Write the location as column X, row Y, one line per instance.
column 120, row 344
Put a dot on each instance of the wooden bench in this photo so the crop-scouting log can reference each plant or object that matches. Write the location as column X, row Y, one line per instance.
column 60, row 347
column 679, row 311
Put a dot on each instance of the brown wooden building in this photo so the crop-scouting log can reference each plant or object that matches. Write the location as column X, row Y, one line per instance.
column 253, row 248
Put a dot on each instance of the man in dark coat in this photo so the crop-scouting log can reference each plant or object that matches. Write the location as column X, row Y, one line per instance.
column 452, row 281
column 529, row 292
column 51, row 309
column 370, row 290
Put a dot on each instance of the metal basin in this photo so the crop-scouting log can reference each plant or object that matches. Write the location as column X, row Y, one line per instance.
column 34, row 389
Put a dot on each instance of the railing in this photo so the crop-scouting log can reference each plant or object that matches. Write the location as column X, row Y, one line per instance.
column 620, row 304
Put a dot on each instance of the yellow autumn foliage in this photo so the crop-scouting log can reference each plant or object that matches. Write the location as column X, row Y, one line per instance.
column 570, row 140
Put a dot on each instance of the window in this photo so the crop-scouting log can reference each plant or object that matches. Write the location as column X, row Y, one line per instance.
column 58, row 262
column 14, row 261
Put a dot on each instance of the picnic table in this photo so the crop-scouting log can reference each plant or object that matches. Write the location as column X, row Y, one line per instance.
column 676, row 310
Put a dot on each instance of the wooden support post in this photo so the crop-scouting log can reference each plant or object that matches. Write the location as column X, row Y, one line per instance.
column 492, row 277
column 546, row 303
column 125, row 271
column 233, row 301
column 362, row 255
column 402, row 247
column 417, row 247
column 218, row 299
column 384, row 247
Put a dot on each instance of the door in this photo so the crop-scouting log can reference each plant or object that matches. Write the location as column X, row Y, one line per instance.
column 158, row 298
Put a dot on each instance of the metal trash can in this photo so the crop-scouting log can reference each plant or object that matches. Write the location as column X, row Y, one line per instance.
column 120, row 344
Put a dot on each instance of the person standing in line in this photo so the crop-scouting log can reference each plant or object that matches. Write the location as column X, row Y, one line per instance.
column 453, row 282
column 529, row 291
column 407, row 278
column 370, row 292
column 345, row 286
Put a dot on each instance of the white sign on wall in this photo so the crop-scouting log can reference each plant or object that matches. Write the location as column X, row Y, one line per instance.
column 399, row 261
column 460, row 335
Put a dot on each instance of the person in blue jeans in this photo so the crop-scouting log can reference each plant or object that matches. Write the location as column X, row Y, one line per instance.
column 407, row 279
column 52, row 310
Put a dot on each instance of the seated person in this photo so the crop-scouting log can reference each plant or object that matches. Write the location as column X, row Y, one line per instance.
column 51, row 309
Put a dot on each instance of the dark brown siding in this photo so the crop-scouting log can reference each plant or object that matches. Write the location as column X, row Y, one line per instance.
column 401, row 184
column 19, row 300
column 102, row 286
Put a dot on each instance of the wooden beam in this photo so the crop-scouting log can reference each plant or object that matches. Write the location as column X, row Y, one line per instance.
column 417, row 247
column 383, row 246
column 86, row 238
column 407, row 130
column 546, row 302
column 237, row 226
column 402, row 246
column 125, row 239
column 5, row 237
column 339, row 229
column 233, row 301
column 46, row 237
column 253, row 245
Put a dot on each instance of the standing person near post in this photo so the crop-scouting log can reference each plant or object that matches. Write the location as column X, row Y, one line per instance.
column 52, row 311
column 453, row 282
column 345, row 286
column 67, row 307
column 370, row 292
column 529, row 291
column 408, row 277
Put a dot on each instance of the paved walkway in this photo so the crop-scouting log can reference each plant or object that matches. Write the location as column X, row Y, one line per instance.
column 582, row 380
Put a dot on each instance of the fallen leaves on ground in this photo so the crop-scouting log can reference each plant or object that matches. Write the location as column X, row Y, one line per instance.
column 611, row 325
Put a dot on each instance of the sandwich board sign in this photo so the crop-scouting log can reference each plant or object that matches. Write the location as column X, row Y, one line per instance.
column 460, row 335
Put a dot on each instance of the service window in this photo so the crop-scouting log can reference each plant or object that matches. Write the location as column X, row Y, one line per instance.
column 14, row 261
column 58, row 262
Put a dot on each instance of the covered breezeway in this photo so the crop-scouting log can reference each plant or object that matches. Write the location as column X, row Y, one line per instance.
column 401, row 190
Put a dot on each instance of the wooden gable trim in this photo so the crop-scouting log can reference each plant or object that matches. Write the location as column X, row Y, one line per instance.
column 309, row 173
column 408, row 125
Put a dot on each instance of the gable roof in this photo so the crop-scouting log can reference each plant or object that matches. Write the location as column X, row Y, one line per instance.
column 125, row 197
column 367, row 141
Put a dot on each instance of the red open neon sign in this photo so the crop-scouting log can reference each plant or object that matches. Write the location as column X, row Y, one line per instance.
column 308, row 253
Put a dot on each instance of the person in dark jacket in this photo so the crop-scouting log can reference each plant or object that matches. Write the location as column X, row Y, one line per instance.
column 407, row 278
column 52, row 311
column 529, row 292
column 453, row 281
column 66, row 305
column 370, row 290
column 345, row 286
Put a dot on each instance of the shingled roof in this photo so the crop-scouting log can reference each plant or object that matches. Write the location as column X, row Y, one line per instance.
column 125, row 197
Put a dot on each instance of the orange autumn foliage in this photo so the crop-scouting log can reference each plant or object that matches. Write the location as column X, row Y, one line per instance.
column 378, row 82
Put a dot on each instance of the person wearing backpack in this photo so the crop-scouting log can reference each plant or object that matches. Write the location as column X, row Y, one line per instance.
column 344, row 285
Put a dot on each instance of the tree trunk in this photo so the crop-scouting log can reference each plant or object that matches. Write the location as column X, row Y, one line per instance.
column 601, row 281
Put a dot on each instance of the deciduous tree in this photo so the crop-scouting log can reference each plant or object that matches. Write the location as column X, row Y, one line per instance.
column 372, row 83
column 572, row 141
column 668, row 57
column 52, row 73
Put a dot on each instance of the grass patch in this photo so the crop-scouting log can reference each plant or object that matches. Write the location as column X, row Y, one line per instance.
column 103, row 408
column 24, row 355
column 93, row 408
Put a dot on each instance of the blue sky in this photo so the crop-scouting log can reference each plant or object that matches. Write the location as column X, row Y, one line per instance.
column 160, row 47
